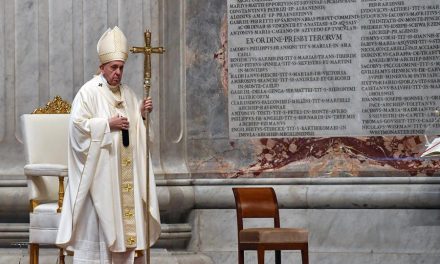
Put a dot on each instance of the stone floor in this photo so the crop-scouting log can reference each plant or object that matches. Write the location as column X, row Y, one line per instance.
column 50, row 256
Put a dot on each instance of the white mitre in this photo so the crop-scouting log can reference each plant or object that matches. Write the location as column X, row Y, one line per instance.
column 112, row 46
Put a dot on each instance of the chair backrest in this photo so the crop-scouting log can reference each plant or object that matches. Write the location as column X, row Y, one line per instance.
column 258, row 202
column 45, row 138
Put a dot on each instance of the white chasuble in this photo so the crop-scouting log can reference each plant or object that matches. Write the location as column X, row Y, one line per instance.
column 99, row 222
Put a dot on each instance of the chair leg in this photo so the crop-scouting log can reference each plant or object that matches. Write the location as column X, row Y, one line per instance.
column 240, row 256
column 305, row 256
column 62, row 256
column 260, row 253
column 33, row 253
column 277, row 256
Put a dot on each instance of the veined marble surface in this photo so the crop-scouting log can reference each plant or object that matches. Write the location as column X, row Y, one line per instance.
column 200, row 129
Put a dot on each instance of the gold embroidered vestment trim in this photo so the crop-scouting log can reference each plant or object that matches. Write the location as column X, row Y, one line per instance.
column 127, row 194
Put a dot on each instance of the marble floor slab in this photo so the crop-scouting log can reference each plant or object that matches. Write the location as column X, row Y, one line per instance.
column 50, row 256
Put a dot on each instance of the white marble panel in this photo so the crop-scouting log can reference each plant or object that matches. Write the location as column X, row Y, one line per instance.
column 112, row 13
column 333, row 194
column 60, row 49
column 130, row 21
column 150, row 15
column 43, row 51
column 26, row 59
column 10, row 156
column 2, row 72
column 172, row 93
column 78, row 45
column 94, row 25
column 151, row 21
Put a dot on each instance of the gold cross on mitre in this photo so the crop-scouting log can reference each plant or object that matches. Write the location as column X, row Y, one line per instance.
column 147, row 50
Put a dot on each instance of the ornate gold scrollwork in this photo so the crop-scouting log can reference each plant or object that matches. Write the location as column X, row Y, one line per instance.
column 56, row 106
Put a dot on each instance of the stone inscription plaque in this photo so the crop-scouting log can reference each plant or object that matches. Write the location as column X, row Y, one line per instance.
column 333, row 67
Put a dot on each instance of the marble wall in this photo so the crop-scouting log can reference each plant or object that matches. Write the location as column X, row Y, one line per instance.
column 48, row 48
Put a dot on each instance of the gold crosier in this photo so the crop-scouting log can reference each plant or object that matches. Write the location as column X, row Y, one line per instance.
column 147, row 50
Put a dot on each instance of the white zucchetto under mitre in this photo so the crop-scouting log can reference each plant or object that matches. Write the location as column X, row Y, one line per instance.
column 112, row 46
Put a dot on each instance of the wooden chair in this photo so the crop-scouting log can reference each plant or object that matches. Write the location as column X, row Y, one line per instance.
column 262, row 203
column 45, row 136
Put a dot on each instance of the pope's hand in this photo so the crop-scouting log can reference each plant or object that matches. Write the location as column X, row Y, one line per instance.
column 147, row 104
column 118, row 123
